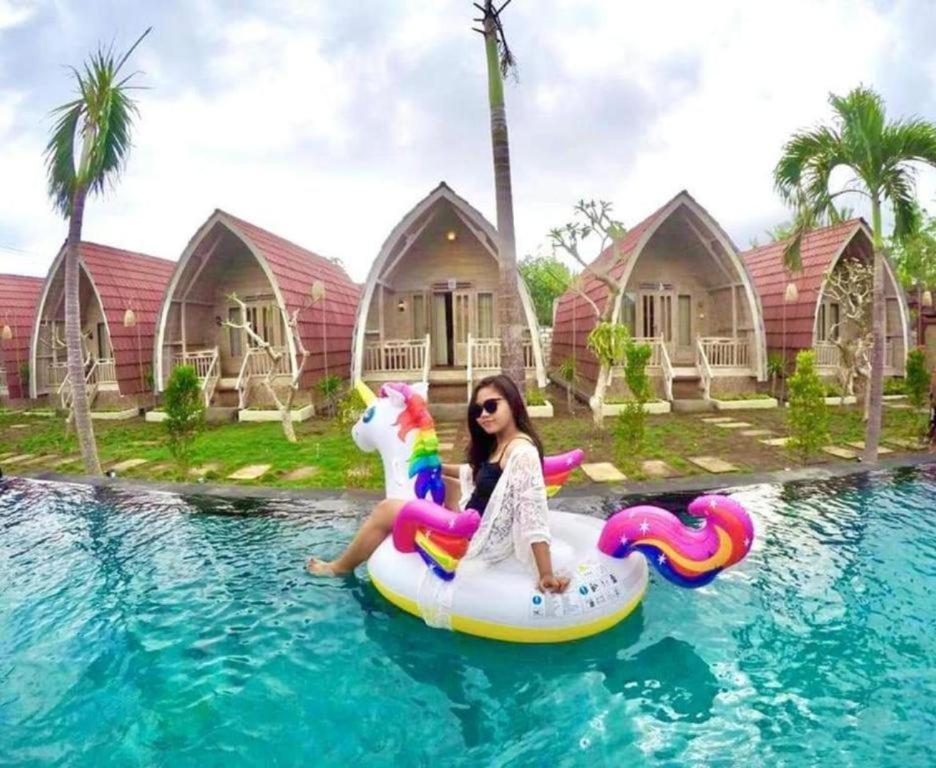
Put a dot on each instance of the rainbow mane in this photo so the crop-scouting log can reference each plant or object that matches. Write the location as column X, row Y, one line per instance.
column 424, row 462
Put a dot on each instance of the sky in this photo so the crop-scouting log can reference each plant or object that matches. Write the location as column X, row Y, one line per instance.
column 326, row 122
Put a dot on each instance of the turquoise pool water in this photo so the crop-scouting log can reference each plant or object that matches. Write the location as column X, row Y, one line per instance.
column 146, row 629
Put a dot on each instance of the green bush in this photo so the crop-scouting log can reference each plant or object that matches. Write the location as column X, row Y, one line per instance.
column 918, row 379
column 807, row 417
column 535, row 396
column 349, row 408
column 632, row 420
column 896, row 386
column 631, row 427
column 24, row 379
column 185, row 413
column 608, row 342
column 329, row 387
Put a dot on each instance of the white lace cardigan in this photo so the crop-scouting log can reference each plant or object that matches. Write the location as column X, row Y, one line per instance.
column 516, row 514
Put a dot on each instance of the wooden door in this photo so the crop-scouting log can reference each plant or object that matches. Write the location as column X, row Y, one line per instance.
column 461, row 324
column 440, row 323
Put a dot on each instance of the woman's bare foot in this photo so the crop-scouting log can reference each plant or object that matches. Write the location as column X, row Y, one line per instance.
column 323, row 568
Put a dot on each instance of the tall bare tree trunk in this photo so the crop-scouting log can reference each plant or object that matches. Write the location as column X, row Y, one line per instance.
column 76, row 373
column 511, row 323
column 876, row 379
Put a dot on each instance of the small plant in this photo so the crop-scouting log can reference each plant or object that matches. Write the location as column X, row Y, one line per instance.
column 918, row 379
column 185, row 413
column 329, row 387
column 568, row 373
column 632, row 421
column 148, row 379
column 808, row 418
column 774, row 370
column 349, row 408
column 535, row 397
column 24, row 378
column 608, row 342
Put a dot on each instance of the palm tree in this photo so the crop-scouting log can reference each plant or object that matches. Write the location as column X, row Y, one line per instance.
column 881, row 155
column 99, row 121
column 500, row 61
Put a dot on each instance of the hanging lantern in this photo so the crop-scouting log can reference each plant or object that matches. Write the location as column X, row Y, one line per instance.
column 6, row 333
column 129, row 318
column 791, row 293
column 318, row 290
column 927, row 299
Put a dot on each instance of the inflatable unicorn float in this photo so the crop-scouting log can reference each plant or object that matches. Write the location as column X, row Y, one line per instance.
column 417, row 567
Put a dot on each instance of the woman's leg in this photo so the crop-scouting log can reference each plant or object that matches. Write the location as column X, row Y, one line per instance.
column 369, row 536
column 452, row 492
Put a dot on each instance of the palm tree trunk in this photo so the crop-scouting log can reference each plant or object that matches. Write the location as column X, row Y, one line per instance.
column 511, row 325
column 76, row 373
column 876, row 379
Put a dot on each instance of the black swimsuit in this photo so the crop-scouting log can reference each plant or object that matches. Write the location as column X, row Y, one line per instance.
column 488, row 476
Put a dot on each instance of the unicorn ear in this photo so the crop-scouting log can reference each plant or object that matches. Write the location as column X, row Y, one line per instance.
column 394, row 396
column 421, row 388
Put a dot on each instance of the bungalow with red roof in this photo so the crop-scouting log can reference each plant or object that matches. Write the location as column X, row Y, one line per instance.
column 812, row 318
column 687, row 295
column 119, row 295
column 429, row 310
column 18, row 297
column 271, row 276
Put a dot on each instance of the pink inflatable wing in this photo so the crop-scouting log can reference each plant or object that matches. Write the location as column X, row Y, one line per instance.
column 556, row 469
column 687, row 556
column 422, row 514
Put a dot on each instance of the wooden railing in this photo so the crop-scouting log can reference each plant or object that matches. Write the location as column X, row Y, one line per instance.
column 396, row 355
column 705, row 368
column 668, row 373
column 56, row 373
column 207, row 365
column 726, row 352
column 258, row 363
column 486, row 353
column 827, row 354
column 105, row 371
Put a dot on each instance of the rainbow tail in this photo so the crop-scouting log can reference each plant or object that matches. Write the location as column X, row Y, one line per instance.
column 687, row 556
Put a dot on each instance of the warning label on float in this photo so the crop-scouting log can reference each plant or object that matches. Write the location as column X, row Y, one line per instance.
column 592, row 587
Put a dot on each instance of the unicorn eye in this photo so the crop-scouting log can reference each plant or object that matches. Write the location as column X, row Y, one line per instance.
column 368, row 414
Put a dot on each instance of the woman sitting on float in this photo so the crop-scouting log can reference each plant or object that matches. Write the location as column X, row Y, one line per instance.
column 502, row 481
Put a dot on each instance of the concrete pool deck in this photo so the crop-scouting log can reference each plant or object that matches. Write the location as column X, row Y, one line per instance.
column 608, row 491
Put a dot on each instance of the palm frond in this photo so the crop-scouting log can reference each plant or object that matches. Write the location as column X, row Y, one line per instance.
column 862, row 119
column 899, row 187
column 60, row 155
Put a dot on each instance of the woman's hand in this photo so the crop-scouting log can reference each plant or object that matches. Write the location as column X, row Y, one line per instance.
column 550, row 582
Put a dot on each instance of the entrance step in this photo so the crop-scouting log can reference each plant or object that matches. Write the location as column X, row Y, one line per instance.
column 225, row 398
column 685, row 372
column 448, row 393
column 686, row 389
column 227, row 383
column 448, row 375
column 217, row 415
column 443, row 412
column 694, row 405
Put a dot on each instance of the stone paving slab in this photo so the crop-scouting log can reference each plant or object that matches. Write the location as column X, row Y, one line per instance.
column 603, row 472
column 910, row 445
column 123, row 466
column 301, row 473
column 733, row 425
column 712, row 464
column 657, row 468
column 898, row 406
column 5, row 456
column 39, row 459
column 19, row 426
column 756, row 432
column 67, row 460
column 20, row 458
column 840, row 453
column 250, row 472
column 777, row 442
column 717, row 419
column 860, row 445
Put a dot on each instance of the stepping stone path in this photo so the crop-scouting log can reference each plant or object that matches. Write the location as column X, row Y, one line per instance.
column 910, row 445
column 20, row 459
column 123, row 466
column 712, row 464
column 717, row 419
column 67, row 460
column 898, row 406
column 756, row 432
column 302, row 473
column 733, row 425
column 656, row 468
column 603, row 472
column 39, row 459
column 860, row 445
column 359, row 473
column 777, row 442
column 250, row 472
column 19, row 426
column 840, row 453
column 5, row 456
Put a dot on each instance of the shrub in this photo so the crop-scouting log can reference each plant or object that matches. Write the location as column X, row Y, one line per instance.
column 329, row 387
column 349, row 408
column 774, row 369
column 917, row 382
column 632, row 420
column 608, row 342
column 807, row 418
column 631, row 427
column 185, row 413
column 535, row 396
column 24, row 378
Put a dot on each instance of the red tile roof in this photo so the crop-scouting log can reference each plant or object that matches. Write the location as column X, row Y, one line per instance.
column 19, row 296
column 327, row 325
column 575, row 317
column 127, row 280
column 819, row 249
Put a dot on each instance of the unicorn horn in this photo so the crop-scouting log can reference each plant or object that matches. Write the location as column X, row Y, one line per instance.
column 365, row 392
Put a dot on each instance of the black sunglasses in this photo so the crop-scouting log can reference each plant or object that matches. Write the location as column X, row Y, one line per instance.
column 489, row 405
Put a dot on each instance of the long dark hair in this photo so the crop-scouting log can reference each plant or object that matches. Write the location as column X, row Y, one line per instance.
column 482, row 445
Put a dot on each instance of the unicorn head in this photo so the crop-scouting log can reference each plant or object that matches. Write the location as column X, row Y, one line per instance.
column 398, row 425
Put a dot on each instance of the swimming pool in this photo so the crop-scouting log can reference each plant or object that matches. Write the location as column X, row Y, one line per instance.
column 147, row 629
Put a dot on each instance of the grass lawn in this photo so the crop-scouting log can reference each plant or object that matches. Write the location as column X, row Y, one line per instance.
column 339, row 463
